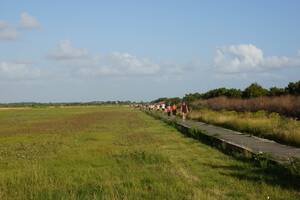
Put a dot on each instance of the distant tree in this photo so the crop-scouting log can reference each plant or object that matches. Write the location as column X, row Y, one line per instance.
column 254, row 90
column 174, row 100
column 233, row 93
column 215, row 93
column 293, row 88
column 192, row 97
column 275, row 91
column 160, row 100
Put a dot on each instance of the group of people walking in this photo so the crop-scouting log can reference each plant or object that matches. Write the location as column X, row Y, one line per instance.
column 171, row 109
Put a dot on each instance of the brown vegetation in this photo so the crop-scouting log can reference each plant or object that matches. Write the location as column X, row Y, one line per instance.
column 261, row 124
column 288, row 105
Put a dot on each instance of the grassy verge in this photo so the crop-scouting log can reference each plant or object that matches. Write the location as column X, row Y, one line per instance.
column 118, row 153
column 271, row 126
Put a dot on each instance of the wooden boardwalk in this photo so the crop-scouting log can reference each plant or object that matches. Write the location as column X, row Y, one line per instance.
column 242, row 142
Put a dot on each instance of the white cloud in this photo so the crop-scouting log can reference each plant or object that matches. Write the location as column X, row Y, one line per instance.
column 176, row 68
column 13, row 70
column 81, row 63
column 298, row 52
column 248, row 58
column 3, row 25
column 8, row 34
column 127, row 63
column 28, row 22
column 66, row 51
column 118, row 64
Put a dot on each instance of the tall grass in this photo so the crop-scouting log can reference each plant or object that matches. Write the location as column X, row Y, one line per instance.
column 285, row 105
column 260, row 123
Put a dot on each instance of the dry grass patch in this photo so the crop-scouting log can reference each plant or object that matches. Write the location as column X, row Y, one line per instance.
column 262, row 124
column 287, row 105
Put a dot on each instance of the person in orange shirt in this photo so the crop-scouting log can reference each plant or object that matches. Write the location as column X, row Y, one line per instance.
column 174, row 109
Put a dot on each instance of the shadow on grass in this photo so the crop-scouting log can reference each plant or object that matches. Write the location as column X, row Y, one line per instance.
column 270, row 175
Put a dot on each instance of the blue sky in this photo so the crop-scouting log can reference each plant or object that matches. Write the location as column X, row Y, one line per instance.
column 141, row 50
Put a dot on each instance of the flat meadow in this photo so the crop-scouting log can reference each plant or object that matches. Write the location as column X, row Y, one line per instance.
column 116, row 152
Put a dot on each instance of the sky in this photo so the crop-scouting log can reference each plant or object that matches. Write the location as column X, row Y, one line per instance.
column 67, row 51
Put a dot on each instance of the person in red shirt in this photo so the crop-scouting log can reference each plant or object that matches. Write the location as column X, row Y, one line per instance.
column 169, row 110
column 184, row 110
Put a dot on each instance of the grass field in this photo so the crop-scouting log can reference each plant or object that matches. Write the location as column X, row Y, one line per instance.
column 119, row 153
column 262, row 124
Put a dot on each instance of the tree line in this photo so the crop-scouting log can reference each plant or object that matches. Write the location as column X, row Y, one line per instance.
column 252, row 91
column 37, row 104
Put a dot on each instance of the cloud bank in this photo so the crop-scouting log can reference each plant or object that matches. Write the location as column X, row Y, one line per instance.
column 7, row 32
column 14, row 70
column 82, row 63
column 66, row 51
column 248, row 58
column 118, row 64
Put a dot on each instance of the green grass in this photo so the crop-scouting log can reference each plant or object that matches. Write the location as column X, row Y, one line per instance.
column 261, row 124
column 119, row 153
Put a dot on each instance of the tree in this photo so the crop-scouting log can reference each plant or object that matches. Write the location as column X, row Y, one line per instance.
column 275, row 91
column 192, row 97
column 293, row 88
column 162, row 99
column 215, row 93
column 233, row 93
column 254, row 90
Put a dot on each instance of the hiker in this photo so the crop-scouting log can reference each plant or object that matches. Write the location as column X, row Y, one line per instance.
column 163, row 107
column 184, row 110
column 169, row 110
column 174, row 109
column 166, row 109
column 157, row 107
